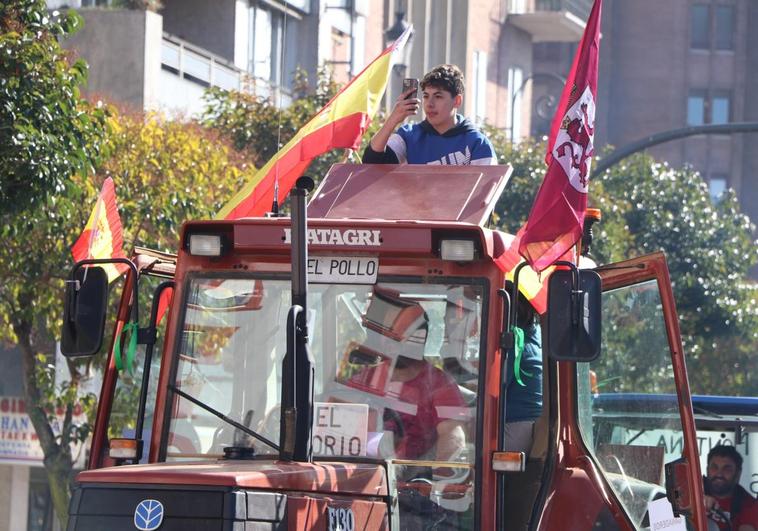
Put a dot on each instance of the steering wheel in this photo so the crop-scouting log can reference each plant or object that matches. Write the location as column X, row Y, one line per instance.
column 239, row 437
column 625, row 483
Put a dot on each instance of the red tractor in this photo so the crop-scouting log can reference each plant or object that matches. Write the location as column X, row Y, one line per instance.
column 348, row 371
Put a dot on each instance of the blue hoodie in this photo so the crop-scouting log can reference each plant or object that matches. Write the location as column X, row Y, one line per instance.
column 463, row 144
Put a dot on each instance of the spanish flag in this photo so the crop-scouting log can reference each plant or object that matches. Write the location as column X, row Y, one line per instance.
column 102, row 237
column 340, row 124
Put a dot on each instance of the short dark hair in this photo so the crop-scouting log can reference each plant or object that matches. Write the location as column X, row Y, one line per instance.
column 726, row 451
column 446, row 77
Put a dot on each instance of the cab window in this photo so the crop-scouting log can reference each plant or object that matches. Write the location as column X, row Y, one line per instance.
column 397, row 379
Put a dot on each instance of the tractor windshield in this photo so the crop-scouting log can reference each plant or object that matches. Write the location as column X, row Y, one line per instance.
column 397, row 368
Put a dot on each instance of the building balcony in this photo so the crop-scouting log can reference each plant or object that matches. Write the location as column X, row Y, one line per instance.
column 187, row 71
column 550, row 20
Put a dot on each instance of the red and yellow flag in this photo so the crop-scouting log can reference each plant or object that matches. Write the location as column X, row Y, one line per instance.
column 339, row 124
column 102, row 236
column 530, row 283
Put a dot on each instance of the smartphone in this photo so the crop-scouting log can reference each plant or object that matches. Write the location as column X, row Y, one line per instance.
column 408, row 84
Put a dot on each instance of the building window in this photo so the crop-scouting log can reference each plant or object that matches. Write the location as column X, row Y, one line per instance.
column 480, row 86
column 724, row 28
column 705, row 108
column 266, row 43
column 696, row 108
column 700, row 38
column 305, row 5
column 515, row 99
column 517, row 6
column 720, row 108
column 712, row 28
column 717, row 186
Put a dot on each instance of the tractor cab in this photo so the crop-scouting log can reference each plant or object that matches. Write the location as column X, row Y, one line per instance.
column 347, row 370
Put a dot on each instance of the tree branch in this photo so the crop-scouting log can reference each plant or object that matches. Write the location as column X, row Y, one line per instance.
column 32, row 393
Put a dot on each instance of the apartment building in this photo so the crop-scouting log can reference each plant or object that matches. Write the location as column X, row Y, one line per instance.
column 165, row 60
column 493, row 42
column 690, row 64
column 669, row 65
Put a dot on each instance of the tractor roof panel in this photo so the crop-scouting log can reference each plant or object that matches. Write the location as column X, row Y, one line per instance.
column 410, row 192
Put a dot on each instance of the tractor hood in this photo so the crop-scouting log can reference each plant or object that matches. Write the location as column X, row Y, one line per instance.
column 361, row 479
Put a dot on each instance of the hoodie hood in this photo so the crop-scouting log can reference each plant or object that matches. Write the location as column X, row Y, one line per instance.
column 462, row 125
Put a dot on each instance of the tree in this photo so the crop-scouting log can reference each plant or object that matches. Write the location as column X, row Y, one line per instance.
column 165, row 173
column 648, row 206
column 710, row 250
column 47, row 132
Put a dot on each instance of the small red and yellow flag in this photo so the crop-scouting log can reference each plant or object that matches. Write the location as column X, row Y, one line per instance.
column 531, row 284
column 102, row 236
column 339, row 124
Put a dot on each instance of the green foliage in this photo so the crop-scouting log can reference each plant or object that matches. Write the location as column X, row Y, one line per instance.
column 528, row 164
column 47, row 132
column 165, row 173
column 709, row 247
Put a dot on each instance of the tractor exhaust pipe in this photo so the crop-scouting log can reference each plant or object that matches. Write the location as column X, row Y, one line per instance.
column 298, row 366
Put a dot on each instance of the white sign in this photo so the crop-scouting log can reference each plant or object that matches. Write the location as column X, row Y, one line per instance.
column 662, row 516
column 340, row 429
column 342, row 269
column 18, row 440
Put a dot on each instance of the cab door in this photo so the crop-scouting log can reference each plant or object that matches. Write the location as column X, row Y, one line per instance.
column 623, row 422
column 634, row 408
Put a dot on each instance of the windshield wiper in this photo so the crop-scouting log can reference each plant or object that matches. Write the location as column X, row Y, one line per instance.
column 223, row 417
column 702, row 411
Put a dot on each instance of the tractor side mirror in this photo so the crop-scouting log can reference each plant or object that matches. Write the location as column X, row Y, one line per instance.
column 84, row 312
column 574, row 314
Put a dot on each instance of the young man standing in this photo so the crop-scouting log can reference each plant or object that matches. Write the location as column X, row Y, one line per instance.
column 444, row 137
column 728, row 505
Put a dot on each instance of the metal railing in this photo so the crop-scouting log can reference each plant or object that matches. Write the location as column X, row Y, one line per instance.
column 579, row 8
column 199, row 66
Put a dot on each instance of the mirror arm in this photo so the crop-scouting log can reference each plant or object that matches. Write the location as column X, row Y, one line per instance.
column 147, row 337
column 514, row 296
column 506, row 335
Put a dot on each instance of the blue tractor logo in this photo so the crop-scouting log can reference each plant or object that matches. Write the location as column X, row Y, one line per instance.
column 148, row 515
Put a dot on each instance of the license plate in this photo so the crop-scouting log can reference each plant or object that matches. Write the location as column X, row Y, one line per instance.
column 342, row 269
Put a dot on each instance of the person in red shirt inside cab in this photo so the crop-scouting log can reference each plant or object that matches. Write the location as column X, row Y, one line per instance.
column 729, row 506
column 422, row 408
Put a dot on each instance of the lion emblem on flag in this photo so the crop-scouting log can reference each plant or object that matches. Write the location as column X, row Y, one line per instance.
column 574, row 143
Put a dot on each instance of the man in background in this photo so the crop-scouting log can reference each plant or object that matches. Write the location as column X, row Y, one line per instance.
column 727, row 504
